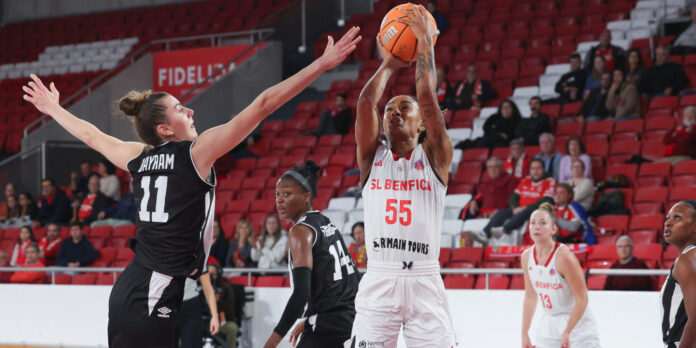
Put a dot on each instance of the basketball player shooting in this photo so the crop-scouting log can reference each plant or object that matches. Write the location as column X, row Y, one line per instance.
column 404, row 187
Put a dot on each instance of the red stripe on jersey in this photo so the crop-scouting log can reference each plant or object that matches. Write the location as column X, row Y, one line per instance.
column 550, row 256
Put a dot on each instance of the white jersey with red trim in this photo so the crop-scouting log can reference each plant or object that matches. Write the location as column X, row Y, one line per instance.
column 404, row 204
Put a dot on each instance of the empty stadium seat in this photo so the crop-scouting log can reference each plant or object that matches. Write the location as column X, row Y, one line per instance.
column 269, row 281
column 456, row 281
column 84, row 279
column 468, row 254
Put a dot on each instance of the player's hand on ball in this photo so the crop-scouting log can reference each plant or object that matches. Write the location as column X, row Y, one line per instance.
column 418, row 21
column 296, row 332
column 336, row 53
column 388, row 59
column 43, row 98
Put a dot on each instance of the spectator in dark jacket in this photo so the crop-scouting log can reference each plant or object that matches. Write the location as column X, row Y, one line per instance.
column 94, row 202
column 76, row 251
column 473, row 92
column 494, row 190
column 220, row 245
column 440, row 19
column 572, row 83
column 336, row 120
column 663, row 78
column 594, row 108
column 686, row 41
column 499, row 128
column 624, row 247
column 78, row 181
column 681, row 142
column 444, row 90
column 531, row 128
column 54, row 205
column 239, row 254
column 27, row 207
column 122, row 213
column 614, row 56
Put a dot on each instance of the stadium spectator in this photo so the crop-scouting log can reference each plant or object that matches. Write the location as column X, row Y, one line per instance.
column 531, row 128
column 494, row 190
column 109, row 184
column 32, row 261
column 583, row 189
column 50, row 244
column 239, row 254
column 517, row 163
column 357, row 247
column 93, row 203
column 681, row 141
column 4, row 262
column 686, row 41
column 571, row 217
column 498, row 129
column 78, row 181
column 76, row 251
column 572, row 83
column 594, row 108
column 444, row 91
column 9, row 191
column 123, row 213
column 635, row 66
column 230, row 320
column 190, row 325
column 242, row 149
column 54, row 205
column 624, row 248
column 14, row 213
column 663, row 78
column 549, row 156
column 528, row 195
column 594, row 78
column 26, row 237
column 440, row 19
column 220, row 245
column 473, row 92
column 575, row 149
column 28, row 209
column 623, row 101
column 336, row 120
column 613, row 56
column 271, row 250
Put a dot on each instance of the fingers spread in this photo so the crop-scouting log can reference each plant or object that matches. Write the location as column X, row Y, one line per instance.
column 331, row 42
column 357, row 39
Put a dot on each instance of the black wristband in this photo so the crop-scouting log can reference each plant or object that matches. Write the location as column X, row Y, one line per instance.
column 302, row 283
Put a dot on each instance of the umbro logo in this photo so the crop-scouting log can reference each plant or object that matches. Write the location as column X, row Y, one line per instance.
column 378, row 163
column 164, row 312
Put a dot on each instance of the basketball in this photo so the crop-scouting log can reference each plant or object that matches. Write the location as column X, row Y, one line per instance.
column 397, row 37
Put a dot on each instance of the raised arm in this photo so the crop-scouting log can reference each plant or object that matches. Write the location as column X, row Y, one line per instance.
column 46, row 101
column 367, row 122
column 569, row 267
column 217, row 141
column 438, row 145
column 530, row 302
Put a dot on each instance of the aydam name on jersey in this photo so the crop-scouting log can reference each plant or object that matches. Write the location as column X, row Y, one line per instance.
column 157, row 162
column 545, row 285
column 400, row 185
column 400, row 244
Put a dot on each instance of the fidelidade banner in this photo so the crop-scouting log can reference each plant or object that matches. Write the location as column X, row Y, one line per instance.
column 176, row 72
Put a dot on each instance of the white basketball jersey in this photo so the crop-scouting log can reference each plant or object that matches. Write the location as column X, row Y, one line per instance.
column 403, row 203
column 554, row 293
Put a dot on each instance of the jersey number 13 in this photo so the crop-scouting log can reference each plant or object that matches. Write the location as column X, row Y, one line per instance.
column 159, row 215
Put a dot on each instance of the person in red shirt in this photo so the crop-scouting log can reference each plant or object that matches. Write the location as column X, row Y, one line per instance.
column 444, row 91
column 32, row 261
column 517, row 164
column 94, row 203
column 26, row 237
column 357, row 248
column 567, row 218
column 50, row 244
column 529, row 194
column 681, row 142
column 494, row 190
column 4, row 262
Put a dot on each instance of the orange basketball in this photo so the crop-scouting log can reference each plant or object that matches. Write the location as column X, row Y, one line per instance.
column 397, row 37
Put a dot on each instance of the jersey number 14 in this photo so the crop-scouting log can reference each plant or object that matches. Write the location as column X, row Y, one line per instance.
column 340, row 260
column 159, row 215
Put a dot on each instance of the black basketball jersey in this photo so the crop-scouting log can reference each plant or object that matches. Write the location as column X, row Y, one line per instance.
column 673, row 311
column 334, row 275
column 175, row 210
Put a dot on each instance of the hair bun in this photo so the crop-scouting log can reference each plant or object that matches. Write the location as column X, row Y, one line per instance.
column 546, row 206
column 132, row 102
column 312, row 167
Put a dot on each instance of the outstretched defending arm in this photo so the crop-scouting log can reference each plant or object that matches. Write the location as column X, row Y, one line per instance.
column 46, row 101
column 438, row 145
column 367, row 121
column 217, row 141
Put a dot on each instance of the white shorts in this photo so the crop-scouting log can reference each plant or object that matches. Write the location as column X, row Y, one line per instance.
column 551, row 327
column 391, row 297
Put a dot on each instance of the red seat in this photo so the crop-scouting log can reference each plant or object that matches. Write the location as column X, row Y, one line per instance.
column 468, row 174
column 237, row 206
column 684, row 168
column 268, row 162
column 643, row 237
column 670, row 102
column 309, row 106
column 621, row 151
column 11, row 234
column 330, row 181
column 629, row 170
column 245, row 163
column 657, row 127
column 653, row 149
column 475, row 155
column 470, row 254
column 257, row 183
column 662, row 169
column 343, row 159
column 330, row 140
column 124, row 231
column 571, row 128
column 456, row 281
column 649, row 200
column 445, row 254
column 616, row 224
column 571, row 109
column 62, row 279
column 105, row 279
column 670, row 254
column 596, row 281
column 107, row 254
column 628, row 128
column 601, row 127
column 281, row 143
column 650, row 253
column 651, row 223
column 517, row 282
column 84, row 279
column 100, row 232
column 269, row 281
column 495, row 282
column 243, row 280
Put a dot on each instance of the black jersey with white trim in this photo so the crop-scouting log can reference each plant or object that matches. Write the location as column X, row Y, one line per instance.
column 334, row 275
column 175, row 210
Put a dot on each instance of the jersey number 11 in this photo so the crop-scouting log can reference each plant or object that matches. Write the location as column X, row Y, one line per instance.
column 159, row 215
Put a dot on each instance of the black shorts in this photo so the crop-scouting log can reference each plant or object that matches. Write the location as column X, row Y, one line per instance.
column 311, row 340
column 143, row 308
column 327, row 329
